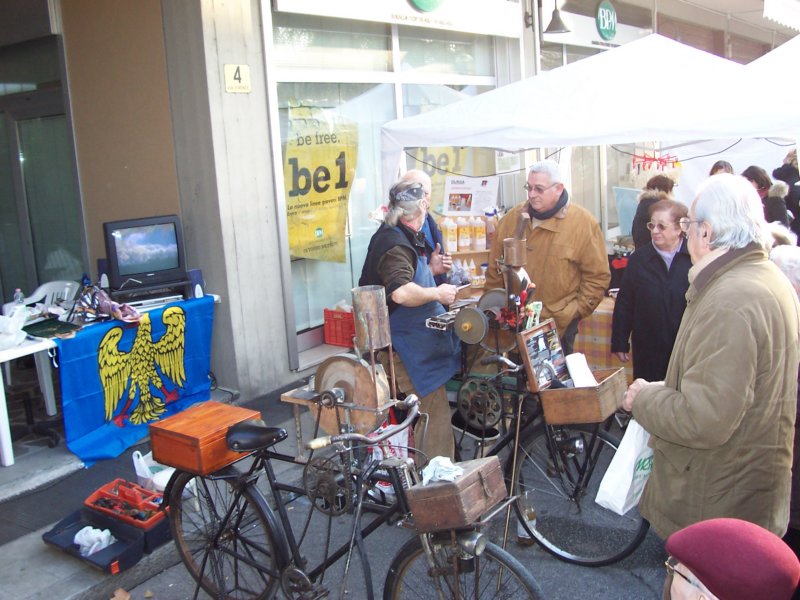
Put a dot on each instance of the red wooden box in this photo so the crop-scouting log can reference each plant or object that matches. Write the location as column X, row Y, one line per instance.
column 194, row 439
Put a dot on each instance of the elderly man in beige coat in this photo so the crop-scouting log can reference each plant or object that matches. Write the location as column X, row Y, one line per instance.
column 722, row 421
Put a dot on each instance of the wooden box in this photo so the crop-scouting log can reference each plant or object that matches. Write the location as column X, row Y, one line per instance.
column 563, row 406
column 444, row 505
column 194, row 439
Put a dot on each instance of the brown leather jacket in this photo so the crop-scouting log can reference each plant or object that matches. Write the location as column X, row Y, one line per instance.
column 566, row 259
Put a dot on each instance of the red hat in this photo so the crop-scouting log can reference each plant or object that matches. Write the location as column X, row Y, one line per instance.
column 737, row 560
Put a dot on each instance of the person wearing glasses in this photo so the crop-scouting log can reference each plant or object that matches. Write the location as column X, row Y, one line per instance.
column 424, row 359
column 430, row 229
column 652, row 296
column 729, row 559
column 566, row 253
column 657, row 188
column 721, row 423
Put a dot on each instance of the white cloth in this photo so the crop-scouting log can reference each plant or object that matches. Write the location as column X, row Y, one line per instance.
column 441, row 468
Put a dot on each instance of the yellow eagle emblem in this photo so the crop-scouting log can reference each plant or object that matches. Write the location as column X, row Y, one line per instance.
column 136, row 370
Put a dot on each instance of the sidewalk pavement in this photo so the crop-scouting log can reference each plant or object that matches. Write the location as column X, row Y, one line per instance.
column 46, row 485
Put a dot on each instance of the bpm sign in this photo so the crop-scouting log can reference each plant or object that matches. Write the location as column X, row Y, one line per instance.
column 606, row 19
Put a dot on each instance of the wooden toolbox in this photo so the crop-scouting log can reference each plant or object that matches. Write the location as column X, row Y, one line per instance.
column 194, row 439
column 563, row 406
column 444, row 505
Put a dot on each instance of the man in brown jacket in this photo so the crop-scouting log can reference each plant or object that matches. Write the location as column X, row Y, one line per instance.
column 722, row 421
column 566, row 254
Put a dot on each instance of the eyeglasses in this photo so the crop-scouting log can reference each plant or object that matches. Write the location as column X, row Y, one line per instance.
column 670, row 564
column 685, row 222
column 539, row 189
column 653, row 226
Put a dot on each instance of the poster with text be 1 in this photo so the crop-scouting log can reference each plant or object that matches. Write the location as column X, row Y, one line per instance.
column 321, row 150
column 469, row 195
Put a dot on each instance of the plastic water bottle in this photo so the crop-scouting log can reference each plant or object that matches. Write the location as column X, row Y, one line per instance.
column 19, row 297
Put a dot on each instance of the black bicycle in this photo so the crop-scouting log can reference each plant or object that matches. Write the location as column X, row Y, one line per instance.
column 554, row 470
column 239, row 543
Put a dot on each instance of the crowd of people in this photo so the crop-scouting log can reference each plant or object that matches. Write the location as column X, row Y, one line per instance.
column 712, row 327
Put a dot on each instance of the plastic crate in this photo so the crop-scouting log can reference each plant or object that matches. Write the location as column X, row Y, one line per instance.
column 339, row 328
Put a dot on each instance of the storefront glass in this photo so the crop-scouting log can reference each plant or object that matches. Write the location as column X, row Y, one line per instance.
column 435, row 51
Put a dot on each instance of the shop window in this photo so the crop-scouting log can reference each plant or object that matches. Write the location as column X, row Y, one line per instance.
column 440, row 51
column 302, row 41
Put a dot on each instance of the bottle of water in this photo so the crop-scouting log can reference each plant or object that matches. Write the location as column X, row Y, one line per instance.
column 19, row 297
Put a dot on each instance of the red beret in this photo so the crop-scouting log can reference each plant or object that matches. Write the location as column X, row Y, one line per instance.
column 737, row 560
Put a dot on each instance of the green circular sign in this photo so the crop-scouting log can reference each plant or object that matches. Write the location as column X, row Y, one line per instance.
column 426, row 5
column 606, row 20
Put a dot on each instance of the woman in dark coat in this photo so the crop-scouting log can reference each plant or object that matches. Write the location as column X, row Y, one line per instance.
column 651, row 300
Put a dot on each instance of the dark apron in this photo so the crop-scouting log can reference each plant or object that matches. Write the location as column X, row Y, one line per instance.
column 431, row 357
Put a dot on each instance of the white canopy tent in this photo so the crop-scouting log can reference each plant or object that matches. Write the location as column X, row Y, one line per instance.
column 653, row 89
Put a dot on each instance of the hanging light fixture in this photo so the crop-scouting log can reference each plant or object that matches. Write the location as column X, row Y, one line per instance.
column 556, row 25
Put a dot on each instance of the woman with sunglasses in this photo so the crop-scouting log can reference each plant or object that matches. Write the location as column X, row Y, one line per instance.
column 651, row 299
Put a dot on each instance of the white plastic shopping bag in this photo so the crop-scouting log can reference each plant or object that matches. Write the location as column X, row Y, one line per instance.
column 628, row 471
column 150, row 474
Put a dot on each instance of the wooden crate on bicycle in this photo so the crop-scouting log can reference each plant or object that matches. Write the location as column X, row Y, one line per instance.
column 194, row 440
column 545, row 365
column 443, row 505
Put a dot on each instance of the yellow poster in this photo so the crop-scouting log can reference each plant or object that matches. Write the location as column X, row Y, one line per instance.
column 320, row 163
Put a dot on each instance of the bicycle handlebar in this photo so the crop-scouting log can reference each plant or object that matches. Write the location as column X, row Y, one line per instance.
column 411, row 403
column 497, row 359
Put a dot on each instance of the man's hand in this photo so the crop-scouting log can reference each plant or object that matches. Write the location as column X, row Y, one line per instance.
column 447, row 293
column 440, row 263
column 633, row 390
column 622, row 356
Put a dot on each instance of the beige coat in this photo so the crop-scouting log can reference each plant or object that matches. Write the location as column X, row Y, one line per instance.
column 722, row 425
column 566, row 259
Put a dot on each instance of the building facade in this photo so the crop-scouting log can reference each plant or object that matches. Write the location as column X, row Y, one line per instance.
column 259, row 123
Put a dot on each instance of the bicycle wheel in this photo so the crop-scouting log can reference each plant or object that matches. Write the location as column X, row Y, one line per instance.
column 561, row 488
column 224, row 537
column 410, row 575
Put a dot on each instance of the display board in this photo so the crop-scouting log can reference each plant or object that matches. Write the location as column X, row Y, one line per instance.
column 542, row 355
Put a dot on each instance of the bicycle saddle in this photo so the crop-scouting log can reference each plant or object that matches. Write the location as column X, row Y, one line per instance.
column 253, row 435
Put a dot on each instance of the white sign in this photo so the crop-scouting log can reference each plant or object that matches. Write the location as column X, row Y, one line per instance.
column 486, row 17
column 583, row 32
column 469, row 195
column 237, row 79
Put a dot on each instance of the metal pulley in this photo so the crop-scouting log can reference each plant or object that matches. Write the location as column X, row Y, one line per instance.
column 365, row 401
column 499, row 337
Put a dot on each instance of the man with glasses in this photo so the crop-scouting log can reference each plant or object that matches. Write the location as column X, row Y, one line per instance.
column 729, row 559
column 722, row 421
column 566, row 254
column 397, row 259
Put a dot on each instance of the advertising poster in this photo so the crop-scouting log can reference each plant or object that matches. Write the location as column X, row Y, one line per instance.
column 469, row 195
column 321, row 150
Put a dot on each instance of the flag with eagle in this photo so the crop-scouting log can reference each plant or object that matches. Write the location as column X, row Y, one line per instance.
column 117, row 377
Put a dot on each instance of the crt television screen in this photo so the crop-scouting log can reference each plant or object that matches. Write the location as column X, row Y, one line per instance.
column 146, row 248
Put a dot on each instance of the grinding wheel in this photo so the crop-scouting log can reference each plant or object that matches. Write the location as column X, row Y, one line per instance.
column 354, row 376
column 471, row 325
column 500, row 337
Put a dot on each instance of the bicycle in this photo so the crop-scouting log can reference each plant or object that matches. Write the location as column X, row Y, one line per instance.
column 238, row 544
column 554, row 471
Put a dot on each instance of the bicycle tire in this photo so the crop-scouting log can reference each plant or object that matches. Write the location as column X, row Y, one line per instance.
column 410, row 575
column 235, row 557
column 574, row 529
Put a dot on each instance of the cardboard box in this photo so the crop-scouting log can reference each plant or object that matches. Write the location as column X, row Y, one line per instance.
column 442, row 505
column 194, row 439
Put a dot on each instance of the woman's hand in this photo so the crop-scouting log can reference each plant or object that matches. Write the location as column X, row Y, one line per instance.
column 622, row 356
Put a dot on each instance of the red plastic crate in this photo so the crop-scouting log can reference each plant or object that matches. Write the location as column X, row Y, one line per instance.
column 339, row 328
column 128, row 497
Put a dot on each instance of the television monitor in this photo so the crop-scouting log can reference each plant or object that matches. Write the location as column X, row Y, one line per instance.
column 146, row 252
